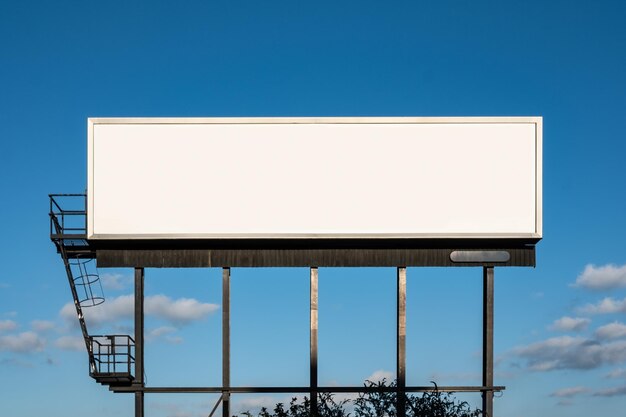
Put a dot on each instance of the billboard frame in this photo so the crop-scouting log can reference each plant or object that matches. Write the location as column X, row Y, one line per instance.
column 527, row 237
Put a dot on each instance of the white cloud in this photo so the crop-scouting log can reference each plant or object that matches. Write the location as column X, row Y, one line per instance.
column 25, row 342
column 616, row 373
column 179, row 311
column 164, row 332
column 571, row 353
column 115, row 281
column 606, row 306
column 70, row 343
column 42, row 325
column 605, row 277
column 160, row 331
column 112, row 310
column 182, row 310
column 7, row 325
column 569, row 392
column 565, row 324
column 613, row 330
column 174, row 340
column 379, row 375
column 611, row 392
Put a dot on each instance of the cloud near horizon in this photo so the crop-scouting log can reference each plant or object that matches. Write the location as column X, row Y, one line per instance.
column 76, row 343
column 570, row 392
column 164, row 333
column 568, row 352
column 611, row 392
column 180, row 311
column 615, row 330
column 599, row 278
column 565, row 324
column 616, row 373
column 115, row 282
column 42, row 325
column 380, row 374
column 7, row 325
column 26, row 342
column 607, row 305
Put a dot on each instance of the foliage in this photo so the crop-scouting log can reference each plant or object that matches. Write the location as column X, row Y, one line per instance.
column 379, row 402
column 327, row 407
column 435, row 403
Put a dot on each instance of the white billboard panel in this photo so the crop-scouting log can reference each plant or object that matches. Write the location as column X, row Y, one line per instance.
column 236, row 178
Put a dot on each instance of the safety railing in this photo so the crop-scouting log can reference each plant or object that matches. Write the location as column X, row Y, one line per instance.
column 113, row 355
column 68, row 215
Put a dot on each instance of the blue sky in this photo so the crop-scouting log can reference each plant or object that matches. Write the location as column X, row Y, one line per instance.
column 560, row 336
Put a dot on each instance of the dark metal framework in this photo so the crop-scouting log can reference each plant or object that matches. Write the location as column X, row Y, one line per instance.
column 114, row 357
column 207, row 254
column 118, row 360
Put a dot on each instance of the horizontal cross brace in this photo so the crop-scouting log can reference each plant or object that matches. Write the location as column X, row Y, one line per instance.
column 246, row 390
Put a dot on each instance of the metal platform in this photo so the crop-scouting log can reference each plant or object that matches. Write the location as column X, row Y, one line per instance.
column 114, row 360
column 68, row 225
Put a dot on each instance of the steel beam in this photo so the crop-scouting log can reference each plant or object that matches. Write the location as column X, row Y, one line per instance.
column 401, row 342
column 226, row 342
column 488, row 291
column 304, row 390
column 139, row 342
column 164, row 254
column 313, row 341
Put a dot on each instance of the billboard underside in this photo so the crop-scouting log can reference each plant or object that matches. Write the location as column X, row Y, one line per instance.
column 373, row 178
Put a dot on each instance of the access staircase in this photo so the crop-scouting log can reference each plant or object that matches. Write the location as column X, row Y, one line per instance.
column 111, row 357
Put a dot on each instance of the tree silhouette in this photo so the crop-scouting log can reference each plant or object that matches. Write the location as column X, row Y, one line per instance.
column 379, row 402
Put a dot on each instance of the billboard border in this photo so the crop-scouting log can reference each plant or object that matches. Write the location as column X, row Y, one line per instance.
column 536, row 120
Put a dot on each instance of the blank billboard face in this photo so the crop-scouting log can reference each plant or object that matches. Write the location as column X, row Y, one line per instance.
column 369, row 178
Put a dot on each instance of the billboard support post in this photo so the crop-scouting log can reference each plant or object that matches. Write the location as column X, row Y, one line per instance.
column 488, row 298
column 401, row 342
column 313, row 340
column 139, row 332
column 226, row 342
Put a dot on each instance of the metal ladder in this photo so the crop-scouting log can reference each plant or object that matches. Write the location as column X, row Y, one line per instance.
column 79, row 309
column 111, row 357
column 60, row 237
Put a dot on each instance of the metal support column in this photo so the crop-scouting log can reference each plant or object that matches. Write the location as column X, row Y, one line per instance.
column 226, row 342
column 401, row 343
column 139, row 332
column 313, row 342
column 488, row 284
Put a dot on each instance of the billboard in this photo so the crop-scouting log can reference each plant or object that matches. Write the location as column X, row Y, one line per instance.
column 314, row 178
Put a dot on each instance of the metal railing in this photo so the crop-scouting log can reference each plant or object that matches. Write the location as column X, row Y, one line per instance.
column 68, row 215
column 113, row 355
